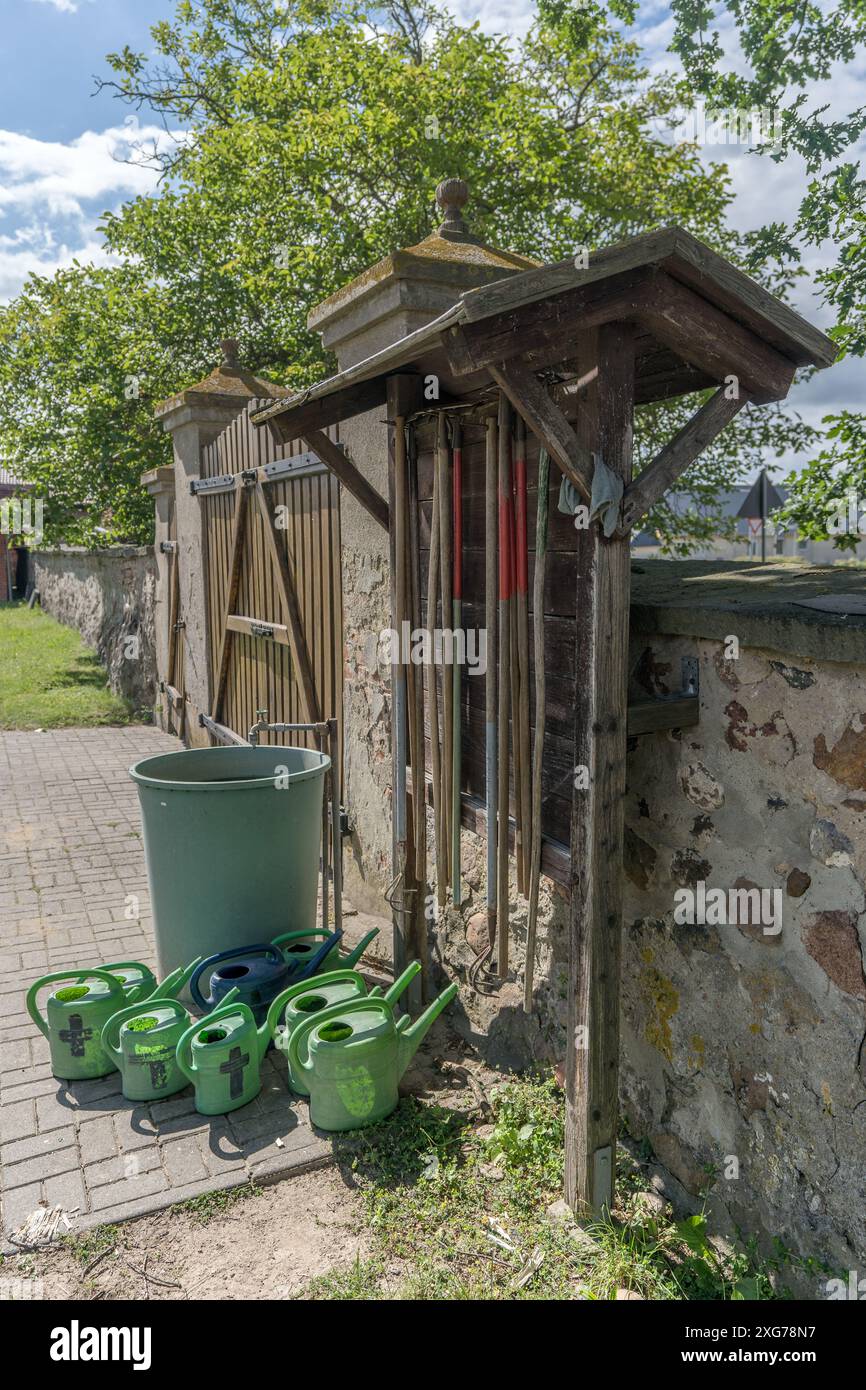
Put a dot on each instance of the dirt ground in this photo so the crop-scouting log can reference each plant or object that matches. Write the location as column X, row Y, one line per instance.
column 269, row 1244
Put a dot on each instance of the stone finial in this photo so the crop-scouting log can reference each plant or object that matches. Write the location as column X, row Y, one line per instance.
column 229, row 350
column 452, row 196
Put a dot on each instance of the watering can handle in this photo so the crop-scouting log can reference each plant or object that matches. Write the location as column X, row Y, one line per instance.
column 111, row 1029
column 183, row 1052
column 323, row 952
column 134, row 965
column 298, row 935
column 261, row 949
column 323, row 1016
column 332, row 977
column 96, row 974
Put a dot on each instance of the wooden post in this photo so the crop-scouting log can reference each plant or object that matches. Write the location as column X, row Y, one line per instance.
column 600, row 721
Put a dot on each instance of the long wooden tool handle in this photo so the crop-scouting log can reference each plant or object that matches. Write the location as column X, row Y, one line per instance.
column 490, row 693
column 433, row 691
column 445, row 592
column 540, row 696
column 506, row 532
column 457, row 669
column 520, row 716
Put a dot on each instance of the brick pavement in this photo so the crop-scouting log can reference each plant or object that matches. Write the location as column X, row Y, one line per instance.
column 73, row 892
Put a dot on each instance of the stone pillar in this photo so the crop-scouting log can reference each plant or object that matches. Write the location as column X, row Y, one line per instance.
column 159, row 482
column 403, row 292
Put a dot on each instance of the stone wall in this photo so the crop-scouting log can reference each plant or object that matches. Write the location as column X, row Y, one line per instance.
column 742, row 1048
column 109, row 597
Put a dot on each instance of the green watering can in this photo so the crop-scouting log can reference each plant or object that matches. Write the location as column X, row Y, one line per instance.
column 299, row 947
column 75, row 1016
column 309, row 997
column 352, row 1056
column 221, row 1055
column 143, row 1039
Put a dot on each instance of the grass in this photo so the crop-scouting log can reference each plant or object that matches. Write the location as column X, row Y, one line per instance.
column 209, row 1205
column 89, row 1246
column 458, row 1212
column 48, row 678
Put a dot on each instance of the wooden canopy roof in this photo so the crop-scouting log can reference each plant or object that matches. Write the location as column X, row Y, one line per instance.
column 699, row 321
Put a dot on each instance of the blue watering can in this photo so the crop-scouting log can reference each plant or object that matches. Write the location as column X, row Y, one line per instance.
column 260, row 973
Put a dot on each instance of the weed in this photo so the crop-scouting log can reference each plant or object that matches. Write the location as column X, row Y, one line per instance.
column 459, row 1214
column 87, row 1246
column 210, row 1205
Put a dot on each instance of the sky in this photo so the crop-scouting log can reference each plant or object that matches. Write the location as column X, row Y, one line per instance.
column 63, row 144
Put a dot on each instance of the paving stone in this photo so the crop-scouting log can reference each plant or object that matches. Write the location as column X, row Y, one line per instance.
column 131, row 1191
column 183, row 1162
column 42, row 1165
column 97, row 1140
column 17, row 1121
column 54, row 1113
column 18, row 1204
column 72, row 816
column 53, row 1140
column 67, row 1191
column 122, row 1166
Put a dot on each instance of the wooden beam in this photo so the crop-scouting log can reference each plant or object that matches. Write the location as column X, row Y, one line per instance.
column 711, row 340
column 676, row 456
column 543, row 331
column 221, row 732
column 288, row 420
column 294, row 621
column 547, row 422
column 350, row 476
column 600, row 725
column 255, row 627
column 673, row 712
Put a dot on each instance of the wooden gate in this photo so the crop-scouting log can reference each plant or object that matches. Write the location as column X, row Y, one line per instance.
column 274, row 594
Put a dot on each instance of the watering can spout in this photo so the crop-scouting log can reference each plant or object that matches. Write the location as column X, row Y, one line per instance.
column 411, row 1037
column 355, row 955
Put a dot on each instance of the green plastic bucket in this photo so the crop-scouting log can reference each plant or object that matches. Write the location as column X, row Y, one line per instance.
column 232, row 839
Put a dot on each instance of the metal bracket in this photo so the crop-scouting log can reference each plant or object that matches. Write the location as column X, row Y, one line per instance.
column 168, row 547
column 691, row 676
column 222, row 482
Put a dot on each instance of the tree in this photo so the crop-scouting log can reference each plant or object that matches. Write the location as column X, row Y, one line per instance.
column 78, row 381
column 314, row 135
column 785, row 49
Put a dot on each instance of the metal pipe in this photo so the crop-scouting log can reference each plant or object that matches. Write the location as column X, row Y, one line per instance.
column 336, row 825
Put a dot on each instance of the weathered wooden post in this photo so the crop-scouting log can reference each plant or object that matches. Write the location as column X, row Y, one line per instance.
column 603, row 582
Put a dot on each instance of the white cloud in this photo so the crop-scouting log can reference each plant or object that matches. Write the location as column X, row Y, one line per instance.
column 35, row 251
column 59, row 179
column 66, row 6
column 52, row 195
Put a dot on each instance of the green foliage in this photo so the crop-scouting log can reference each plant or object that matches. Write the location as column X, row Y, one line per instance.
column 785, row 48
column 832, row 483
column 313, row 138
column 101, row 1240
column 48, row 678
column 209, row 1206
column 459, row 1213
column 304, row 142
